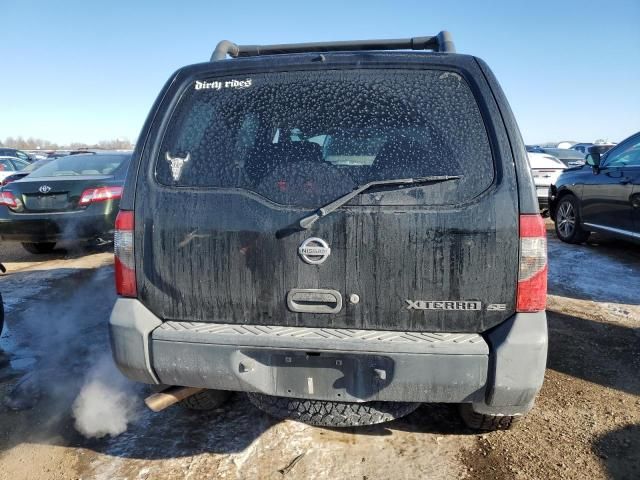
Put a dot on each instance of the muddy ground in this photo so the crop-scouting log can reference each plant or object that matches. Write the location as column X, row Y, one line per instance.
column 586, row 423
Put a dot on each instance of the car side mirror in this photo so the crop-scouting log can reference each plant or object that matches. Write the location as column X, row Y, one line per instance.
column 593, row 160
column 594, row 156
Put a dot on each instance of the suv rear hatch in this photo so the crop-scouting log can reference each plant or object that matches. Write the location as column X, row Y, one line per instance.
column 243, row 156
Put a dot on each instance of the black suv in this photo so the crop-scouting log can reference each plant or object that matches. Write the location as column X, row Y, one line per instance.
column 601, row 196
column 340, row 230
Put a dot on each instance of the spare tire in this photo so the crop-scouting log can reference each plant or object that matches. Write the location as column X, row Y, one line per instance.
column 331, row 414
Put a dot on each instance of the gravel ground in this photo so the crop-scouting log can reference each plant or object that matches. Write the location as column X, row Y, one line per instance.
column 586, row 423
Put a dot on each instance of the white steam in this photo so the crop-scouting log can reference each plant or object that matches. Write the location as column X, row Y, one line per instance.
column 106, row 403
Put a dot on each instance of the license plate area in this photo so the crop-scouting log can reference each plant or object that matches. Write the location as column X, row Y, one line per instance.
column 542, row 191
column 320, row 375
column 46, row 202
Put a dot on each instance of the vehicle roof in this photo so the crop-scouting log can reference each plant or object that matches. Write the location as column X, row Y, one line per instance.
column 101, row 154
column 544, row 160
column 570, row 151
column 322, row 60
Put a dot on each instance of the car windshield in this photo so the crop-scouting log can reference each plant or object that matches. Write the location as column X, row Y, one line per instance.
column 301, row 139
column 80, row 165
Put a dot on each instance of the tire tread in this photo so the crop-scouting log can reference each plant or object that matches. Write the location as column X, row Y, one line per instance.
column 206, row 400
column 480, row 421
column 329, row 413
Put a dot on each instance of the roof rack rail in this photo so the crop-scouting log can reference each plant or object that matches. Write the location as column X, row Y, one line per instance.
column 443, row 42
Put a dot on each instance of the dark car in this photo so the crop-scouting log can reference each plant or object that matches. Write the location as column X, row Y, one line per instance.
column 10, row 166
column 24, row 172
column 70, row 198
column 584, row 147
column 581, row 147
column 571, row 158
column 340, row 231
column 601, row 196
column 13, row 152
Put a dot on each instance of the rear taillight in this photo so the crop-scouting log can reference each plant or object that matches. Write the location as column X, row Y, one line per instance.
column 532, row 273
column 124, row 259
column 100, row 194
column 9, row 200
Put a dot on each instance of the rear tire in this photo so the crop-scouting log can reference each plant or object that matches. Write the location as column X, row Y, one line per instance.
column 480, row 421
column 206, row 400
column 39, row 248
column 567, row 221
column 331, row 414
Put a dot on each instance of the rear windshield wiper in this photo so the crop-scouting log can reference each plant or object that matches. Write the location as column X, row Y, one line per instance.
column 306, row 222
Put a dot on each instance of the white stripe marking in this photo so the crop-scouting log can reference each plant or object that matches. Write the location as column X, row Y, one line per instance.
column 310, row 385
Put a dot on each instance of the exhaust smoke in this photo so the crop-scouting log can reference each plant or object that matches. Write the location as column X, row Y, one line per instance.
column 107, row 402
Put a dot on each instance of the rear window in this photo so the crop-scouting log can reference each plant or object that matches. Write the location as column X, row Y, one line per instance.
column 75, row 165
column 303, row 138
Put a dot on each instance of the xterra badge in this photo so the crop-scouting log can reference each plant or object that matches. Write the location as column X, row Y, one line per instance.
column 443, row 305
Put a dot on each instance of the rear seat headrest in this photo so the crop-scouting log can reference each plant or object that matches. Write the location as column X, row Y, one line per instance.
column 264, row 158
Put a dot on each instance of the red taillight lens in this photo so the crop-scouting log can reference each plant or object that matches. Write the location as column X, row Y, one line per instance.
column 124, row 259
column 532, row 273
column 9, row 200
column 100, row 194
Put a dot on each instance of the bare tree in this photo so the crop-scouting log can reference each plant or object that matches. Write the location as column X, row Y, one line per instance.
column 116, row 144
column 33, row 143
column 30, row 143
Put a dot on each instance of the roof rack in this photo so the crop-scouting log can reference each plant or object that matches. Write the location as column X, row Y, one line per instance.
column 443, row 42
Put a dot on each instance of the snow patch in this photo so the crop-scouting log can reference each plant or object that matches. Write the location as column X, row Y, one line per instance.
column 591, row 272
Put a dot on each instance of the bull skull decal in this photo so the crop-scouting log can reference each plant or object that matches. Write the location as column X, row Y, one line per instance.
column 176, row 165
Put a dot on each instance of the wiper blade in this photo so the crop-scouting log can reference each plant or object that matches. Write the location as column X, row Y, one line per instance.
column 306, row 222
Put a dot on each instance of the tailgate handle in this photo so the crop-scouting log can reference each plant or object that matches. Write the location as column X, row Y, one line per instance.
column 314, row 300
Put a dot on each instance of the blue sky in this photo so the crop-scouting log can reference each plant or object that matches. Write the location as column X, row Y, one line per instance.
column 86, row 71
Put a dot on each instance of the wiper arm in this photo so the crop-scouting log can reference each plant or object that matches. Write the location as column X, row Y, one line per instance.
column 306, row 222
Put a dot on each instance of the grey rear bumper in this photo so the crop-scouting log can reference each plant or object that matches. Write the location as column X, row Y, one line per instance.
column 500, row 371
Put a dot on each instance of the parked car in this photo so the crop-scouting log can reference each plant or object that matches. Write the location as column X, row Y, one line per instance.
column 570, row 158
column 24, row 172
column 11, row 165
column 545, row 170
column 12, row 152
column 582, row 147
column 408, row 267
column 70, row 198
column 534, row 148
column 601, row 196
